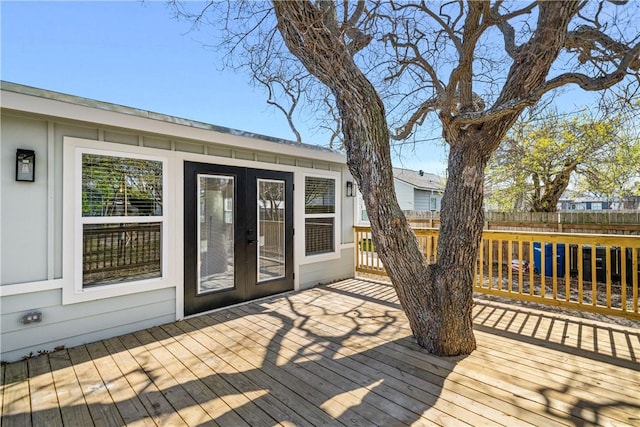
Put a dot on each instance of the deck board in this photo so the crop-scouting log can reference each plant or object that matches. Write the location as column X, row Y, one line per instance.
column 319, row 386
column 95, row 391
column 340, row 354
column 127, row 402
column 157, row 407
column 387, row 355
column 73, row 407
column 43, row 393
column 16, row 403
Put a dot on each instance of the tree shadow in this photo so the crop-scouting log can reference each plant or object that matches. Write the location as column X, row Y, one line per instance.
column 326, row 356
column 610, row 344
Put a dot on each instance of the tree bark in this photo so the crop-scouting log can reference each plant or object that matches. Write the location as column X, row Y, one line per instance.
column 547, row 201
column 437, row 298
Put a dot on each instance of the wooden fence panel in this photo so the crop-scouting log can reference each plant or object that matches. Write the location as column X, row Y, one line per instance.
column 605, row 222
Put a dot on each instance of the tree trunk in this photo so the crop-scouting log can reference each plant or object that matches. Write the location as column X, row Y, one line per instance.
column 437, row 299
column 553, row 190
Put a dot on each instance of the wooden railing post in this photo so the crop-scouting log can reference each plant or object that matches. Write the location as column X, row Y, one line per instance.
column 589, row 272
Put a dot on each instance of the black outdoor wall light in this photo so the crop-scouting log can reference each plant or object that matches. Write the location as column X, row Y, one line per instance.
column 25, row 165
column 350, row 189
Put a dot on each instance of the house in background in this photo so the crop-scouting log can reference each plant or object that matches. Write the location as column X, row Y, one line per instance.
column 417, row 191
column 599, row 203
column 585, row 204
column 115, row 219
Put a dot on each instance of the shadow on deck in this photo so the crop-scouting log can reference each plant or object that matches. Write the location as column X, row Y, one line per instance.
column 340, row 354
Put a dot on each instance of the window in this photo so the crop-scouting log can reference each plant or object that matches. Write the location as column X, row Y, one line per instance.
column 364, row 217
column 320, row 215
column 122, row 217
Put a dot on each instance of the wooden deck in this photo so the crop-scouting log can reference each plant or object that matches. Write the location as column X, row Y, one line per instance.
column 335, row 355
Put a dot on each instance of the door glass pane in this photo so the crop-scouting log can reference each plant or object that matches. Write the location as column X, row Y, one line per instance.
column 271, row 241
column 215, row 233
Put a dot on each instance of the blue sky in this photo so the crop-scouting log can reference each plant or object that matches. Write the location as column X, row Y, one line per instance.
column 135, row 54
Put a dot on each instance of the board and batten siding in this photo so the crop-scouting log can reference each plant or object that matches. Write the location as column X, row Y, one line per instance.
column 31, row 222
column 25, row 205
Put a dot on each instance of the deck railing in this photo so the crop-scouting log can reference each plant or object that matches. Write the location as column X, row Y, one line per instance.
column 589, row 272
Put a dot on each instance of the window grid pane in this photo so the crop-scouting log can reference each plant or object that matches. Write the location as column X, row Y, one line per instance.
column 319, row 195
column 119, row 186
column 320, row 208
column 319, row 236
column 216, row 200
column 116, row 253
column 271, row 229
column 122, row 219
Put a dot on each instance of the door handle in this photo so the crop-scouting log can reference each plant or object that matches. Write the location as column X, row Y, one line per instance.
column 251, row 236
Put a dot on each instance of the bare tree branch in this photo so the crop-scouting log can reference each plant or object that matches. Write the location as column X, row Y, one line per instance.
column 584, row 39
column 292, row 89
column 508, row 32
column 437, row 57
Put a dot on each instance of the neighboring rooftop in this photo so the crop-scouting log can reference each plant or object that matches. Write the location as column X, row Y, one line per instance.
column 101, row 105
column 419, row 179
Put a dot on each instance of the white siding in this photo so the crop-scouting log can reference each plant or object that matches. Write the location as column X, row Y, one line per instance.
column 404, row 193
column 329, row 271
column 348, row 205
column 422, row 200
column 32, row 234
column 77, row 323
column 24, row 204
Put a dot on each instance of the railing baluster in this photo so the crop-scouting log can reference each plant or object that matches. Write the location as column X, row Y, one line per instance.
column 543, row 267
column 554, row 264
column 580, row 258
column 521, row 267
column 509, row 265
column 490, row 252
column 581, row 264
column 481, row 261
column 636, row 279
column 500, row 265
column 567, row 273
column 531, row 277
column 623, row 278
column 594, row 278
column 608, row 272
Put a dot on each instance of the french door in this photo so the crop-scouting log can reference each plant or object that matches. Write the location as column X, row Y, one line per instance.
column 238, row 235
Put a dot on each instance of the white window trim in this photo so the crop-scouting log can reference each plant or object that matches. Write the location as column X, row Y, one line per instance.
column 337, row 215
column 72, row 291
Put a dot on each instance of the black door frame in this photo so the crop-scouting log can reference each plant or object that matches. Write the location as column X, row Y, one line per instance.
column 245, row 241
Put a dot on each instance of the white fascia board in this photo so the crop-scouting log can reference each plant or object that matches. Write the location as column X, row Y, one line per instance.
column 155, row 123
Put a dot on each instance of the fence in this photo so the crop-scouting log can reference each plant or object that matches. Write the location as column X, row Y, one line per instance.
column 607, row 222
column 596, row 273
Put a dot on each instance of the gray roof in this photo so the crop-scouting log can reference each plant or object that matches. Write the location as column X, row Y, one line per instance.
column 101, row 105
column 426, row 181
